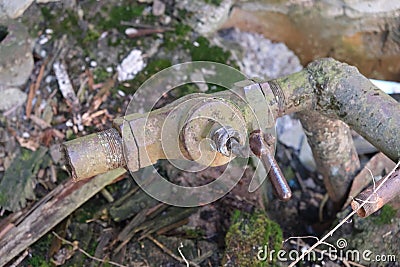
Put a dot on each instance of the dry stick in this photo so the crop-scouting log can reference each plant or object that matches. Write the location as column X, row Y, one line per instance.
column 183, row 256
column 321, row 207
column 87, row 254
column 34, row 87
column 43, row 218
column 20, row 259
column 169, row 252
column 330, row 233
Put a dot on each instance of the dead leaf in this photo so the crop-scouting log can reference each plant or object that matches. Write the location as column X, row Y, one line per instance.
column 19, row 179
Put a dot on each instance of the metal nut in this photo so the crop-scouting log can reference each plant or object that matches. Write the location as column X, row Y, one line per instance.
column 223, row 138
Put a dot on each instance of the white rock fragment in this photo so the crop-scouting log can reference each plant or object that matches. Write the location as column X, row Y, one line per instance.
column 49, row 79
column 306, row 156
column 43, row 40
column 130, row 31
column 121, row 93
column 65, row 85
column 130, row 66
column 165, row 20
column 69, row 123
column 158, row 8
column 103, row 35
column 291, row 134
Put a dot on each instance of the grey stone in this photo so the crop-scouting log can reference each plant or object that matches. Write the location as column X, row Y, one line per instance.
column 46, row 1
column 16, row 60
column 158, row 8
column 11, row 97
column 13, row 8
column 260, row 57
column 306, row 157
column 290, row 132
column 207, row 18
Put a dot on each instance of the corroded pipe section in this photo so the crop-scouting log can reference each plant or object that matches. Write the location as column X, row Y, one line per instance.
column 334, row 152
column 386, row 192
column 339, row 91
column 94, row 154
column 289, row 94
column 343, row 93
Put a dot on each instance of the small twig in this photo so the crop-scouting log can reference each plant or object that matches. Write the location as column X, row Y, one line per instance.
column 169, row 252
column 34, row 87
column 107, row 195
column 330, row 233
column 85, row 253
column 321, row 207
column 31, row 95
column 144, row 26
column 183, row 256
column 20, row 259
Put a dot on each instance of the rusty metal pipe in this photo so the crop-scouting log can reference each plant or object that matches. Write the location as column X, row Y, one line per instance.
column 139, row 140
column 94, row 154
column 334, row 152
column 339, row 91
column 387, row 190
column 329, row 87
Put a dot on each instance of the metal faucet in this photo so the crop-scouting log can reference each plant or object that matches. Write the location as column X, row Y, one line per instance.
column 185, row 128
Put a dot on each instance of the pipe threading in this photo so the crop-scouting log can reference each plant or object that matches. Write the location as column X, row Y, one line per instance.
column 279, row 96
column 94, row 154
column 111, row 142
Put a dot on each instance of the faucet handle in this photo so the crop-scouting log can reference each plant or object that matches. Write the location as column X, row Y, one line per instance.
column 262, row 147
column 227, row 142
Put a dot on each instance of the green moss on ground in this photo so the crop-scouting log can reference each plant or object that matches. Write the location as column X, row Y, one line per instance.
column 204, row 51
column 120, row 13
column 387, row 213
column 40, row 249
column 152, row 67
column 213, row 2
column 247, row 235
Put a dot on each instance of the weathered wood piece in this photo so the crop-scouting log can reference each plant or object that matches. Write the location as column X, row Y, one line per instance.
column 63, row 200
